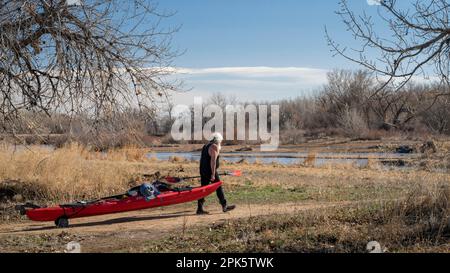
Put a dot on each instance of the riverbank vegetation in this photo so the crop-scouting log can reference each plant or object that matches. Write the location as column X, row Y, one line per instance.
column 417, row 223
column 50, row 176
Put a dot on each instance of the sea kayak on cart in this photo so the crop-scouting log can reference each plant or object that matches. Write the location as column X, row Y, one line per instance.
column 115, row 204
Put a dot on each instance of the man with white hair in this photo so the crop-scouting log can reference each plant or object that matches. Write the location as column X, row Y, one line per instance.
column 209, row 163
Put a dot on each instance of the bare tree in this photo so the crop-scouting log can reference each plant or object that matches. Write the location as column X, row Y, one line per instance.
column 347, row 89
column 416, row 43
column 96, row 57
column 222, row 100
column 437, row 117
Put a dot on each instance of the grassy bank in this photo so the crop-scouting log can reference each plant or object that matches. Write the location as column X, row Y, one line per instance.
column 74, row 172
column 419, row 223
column 405, row 210
column 53, row 176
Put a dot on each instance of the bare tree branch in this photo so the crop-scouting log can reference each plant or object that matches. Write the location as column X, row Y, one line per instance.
column 97, row 57
column 417, row 42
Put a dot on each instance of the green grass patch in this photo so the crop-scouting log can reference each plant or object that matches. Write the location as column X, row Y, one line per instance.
column 266, row 194
column 249, row 193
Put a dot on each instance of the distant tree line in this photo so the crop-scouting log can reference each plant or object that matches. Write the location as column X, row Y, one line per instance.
column 347, row 106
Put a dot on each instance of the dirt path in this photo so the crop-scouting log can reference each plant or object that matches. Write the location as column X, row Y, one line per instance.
column 156, row 219
column 125, row 231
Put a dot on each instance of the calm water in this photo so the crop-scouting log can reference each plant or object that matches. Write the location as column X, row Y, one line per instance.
column 358, row 159
column 290, row 158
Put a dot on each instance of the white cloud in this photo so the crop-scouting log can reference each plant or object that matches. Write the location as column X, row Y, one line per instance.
column 248, row 83
column 299, row 73
column 256, row 71
column 373, row 2
column 73, row 2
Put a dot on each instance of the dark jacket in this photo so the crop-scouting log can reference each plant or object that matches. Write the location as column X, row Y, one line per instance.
column 205, row 163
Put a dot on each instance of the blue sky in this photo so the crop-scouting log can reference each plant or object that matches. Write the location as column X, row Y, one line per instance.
column 256, row 49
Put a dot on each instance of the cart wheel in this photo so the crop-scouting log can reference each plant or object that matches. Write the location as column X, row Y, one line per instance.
column 62, row 222
column 21, row 209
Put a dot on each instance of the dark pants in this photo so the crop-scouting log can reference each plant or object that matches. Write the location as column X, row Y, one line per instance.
column 206, row 181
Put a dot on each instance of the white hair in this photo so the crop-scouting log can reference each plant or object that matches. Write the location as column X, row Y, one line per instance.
column 216, row 138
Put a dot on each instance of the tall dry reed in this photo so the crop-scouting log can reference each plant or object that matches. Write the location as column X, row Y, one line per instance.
column 68, row 173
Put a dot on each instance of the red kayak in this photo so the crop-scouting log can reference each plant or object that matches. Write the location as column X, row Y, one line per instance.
column 62, row 213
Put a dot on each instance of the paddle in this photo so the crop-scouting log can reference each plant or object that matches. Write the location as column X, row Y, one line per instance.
column 171, row 179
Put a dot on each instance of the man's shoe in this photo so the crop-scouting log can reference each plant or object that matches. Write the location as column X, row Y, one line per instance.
column 202, row 212
column 228, row 208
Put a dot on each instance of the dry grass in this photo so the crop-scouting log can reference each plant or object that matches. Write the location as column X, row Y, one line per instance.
column 73, row 172
column 372, row 163
column 310, row 159
column 176, row 159
column 408, row 210
column 418, row 223
column 69, row 173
